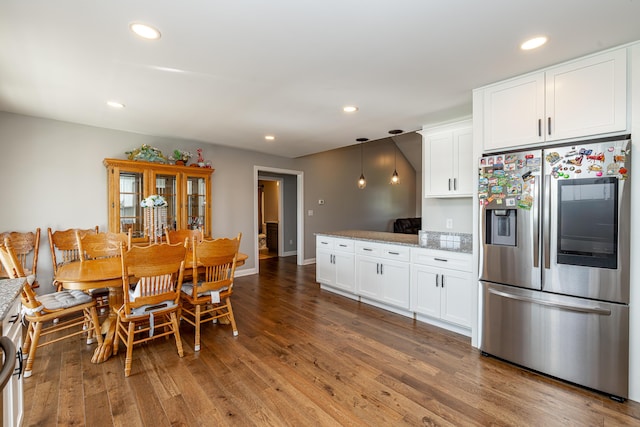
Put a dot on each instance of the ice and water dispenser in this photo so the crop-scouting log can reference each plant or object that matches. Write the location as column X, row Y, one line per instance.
column 501, row 226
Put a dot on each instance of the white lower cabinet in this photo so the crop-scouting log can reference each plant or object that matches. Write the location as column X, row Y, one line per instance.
column 430, row 285
column 382, row 273
column 441, row 285
column 12, row 395
column 335, row 265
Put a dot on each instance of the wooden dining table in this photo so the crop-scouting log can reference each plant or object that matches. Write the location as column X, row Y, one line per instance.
column 104, row 273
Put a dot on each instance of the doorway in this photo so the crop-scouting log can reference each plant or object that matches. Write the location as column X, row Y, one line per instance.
column 270, row 227
column 290, row 220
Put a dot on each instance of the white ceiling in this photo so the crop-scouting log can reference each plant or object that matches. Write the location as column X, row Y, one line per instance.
column 284, row 67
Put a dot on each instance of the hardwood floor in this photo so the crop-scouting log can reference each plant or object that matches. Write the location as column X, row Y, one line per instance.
column 305, row 357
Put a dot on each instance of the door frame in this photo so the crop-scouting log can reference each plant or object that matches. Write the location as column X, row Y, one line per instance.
column 299, row 210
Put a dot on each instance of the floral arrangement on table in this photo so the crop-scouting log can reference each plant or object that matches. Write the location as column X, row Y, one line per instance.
column 147, row 153
column 155, row 216
column 153, row 201
column 180, row 156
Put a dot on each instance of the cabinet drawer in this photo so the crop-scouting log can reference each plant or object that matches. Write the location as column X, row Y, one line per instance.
column 344, row 245
column 392, row 252
column 324, row 242
column 441, row 259
column 12, row 319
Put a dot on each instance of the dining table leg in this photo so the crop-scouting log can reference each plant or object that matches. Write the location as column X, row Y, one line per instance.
column 108, row 327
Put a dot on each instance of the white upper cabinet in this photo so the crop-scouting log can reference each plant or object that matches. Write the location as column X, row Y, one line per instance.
column 513, row 112
column 448, row 164
column 581, row 98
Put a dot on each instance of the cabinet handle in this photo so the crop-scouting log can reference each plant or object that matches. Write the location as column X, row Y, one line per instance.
column 437, row 275
column 342, row 245
column 14, row 318
column 377, row 268
column 549, row 125
column 440, row 259
column 455, row 184
column 20, row 358
column 394, row 253
column 324, row 243
column 539, row 127
column 367, row 249
column 449, row 184
column 442, row 281
column 381, row 269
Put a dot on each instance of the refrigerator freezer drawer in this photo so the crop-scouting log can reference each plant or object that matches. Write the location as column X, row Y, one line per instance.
column 574, row 339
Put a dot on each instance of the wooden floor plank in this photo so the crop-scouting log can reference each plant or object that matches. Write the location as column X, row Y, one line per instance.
column 308, row 357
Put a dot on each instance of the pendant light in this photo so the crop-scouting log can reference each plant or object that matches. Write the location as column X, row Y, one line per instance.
column 362, row 182
column 395, row 179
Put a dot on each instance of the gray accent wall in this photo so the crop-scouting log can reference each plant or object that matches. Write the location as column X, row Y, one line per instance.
column 332, row 177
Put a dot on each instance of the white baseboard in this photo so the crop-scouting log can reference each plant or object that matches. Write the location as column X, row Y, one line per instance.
column 247, row 272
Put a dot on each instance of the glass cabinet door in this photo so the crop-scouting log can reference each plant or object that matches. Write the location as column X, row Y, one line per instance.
column 167, row 186
column 131, row 194
column 196, row 203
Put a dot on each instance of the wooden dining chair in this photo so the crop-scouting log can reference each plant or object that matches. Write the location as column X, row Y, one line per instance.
column 180, row 236
column 101, row 245
column 75, row 310
column 26, row 247
column 64, row 248
column 151, row 309
column 208, row 296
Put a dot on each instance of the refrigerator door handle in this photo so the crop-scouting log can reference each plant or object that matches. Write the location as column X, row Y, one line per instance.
column 536, row 230
column 546, row 224
column 577, row 308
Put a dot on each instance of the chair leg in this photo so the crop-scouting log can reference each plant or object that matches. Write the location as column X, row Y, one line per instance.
column 129, row 357
column 32, row 350
column 198, row 319
column 27, row 340
column 176, row 332
column 232, row 318
column 116, row 338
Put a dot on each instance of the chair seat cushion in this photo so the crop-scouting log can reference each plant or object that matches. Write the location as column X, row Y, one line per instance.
column 148, row 308
column 64, row 299
column 187, row 288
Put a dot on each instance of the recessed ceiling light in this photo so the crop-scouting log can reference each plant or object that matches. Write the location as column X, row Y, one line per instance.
column 533, row 43
column 145, row 31
column 269, row 137
column 115, row 104
column 350, row 109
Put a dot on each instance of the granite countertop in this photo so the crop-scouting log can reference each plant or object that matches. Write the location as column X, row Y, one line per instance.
column 452, row 242
column 9, row 290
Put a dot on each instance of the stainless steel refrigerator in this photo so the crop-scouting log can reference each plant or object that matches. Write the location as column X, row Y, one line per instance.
column 554, row 261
